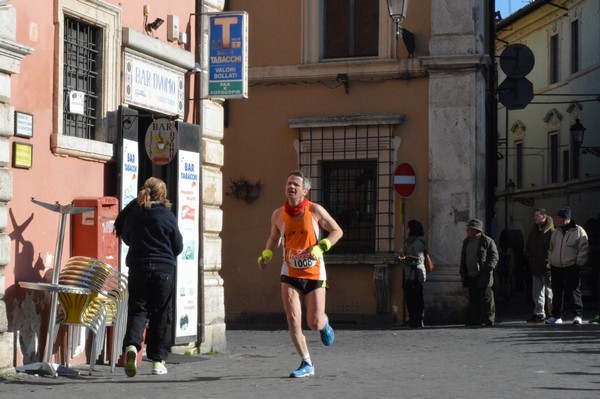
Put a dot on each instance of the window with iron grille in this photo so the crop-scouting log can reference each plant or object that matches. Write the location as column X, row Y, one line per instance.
column 351, row 168
column 81, row 71
column 350, row 196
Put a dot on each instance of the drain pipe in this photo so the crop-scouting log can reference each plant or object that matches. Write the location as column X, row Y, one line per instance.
column 198, row 78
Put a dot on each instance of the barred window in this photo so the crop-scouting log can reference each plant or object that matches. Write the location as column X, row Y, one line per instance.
column 350, row 196
column 350, row 161
column 81, row 69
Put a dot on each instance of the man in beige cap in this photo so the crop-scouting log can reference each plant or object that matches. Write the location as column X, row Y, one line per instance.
column 478, row 259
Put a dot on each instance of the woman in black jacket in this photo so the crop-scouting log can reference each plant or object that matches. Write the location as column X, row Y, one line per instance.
column 149, row 228
column 414, row 256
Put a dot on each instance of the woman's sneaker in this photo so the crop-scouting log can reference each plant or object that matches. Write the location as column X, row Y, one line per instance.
column 159, row 368
column 131, row 361
column 304, row 370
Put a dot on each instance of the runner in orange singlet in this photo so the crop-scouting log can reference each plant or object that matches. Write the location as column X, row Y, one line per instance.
column 296, row 226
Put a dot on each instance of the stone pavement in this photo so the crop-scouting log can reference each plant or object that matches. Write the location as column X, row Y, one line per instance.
column 511, row 360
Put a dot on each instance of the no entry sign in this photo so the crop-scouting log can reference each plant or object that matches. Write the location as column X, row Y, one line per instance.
column 404, row 180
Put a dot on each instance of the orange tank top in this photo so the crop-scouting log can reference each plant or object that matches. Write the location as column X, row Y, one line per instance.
column 299, row 235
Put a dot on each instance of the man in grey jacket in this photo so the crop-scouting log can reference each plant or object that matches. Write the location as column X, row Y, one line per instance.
column 478, row 258
column 569, row 250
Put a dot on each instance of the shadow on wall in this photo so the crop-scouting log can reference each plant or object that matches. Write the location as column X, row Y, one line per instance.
column 26, row 309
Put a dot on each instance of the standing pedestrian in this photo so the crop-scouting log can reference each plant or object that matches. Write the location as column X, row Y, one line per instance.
column 150, row 229
column 478, row 259
column 296, row 226
column 414, row 259
column 568, row 251
column 536, row 250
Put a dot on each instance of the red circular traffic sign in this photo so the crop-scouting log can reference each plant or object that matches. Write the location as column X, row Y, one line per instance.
column 404, row 180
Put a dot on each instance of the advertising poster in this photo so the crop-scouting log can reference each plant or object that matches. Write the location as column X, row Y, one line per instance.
column 188, row 202
column 129, row 185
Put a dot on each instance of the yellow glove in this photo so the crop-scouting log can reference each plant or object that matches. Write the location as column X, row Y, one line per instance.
column 265, row 257
column 316, row 251
column 323, row 246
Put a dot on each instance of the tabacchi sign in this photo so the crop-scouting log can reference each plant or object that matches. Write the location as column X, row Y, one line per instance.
column 228, row 55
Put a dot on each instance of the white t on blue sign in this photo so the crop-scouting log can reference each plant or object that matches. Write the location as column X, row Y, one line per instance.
column 228, row 55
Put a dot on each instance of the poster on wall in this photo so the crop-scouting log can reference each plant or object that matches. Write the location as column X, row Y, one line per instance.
column 188, row 215
column 129, row 184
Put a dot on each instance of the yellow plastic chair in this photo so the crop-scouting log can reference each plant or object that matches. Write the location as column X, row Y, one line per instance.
column 105, row 306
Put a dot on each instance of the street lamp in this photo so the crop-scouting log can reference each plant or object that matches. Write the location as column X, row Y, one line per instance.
column 577, row 132
column 397, row 10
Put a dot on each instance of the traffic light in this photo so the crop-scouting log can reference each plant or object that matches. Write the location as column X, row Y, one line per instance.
column 516, row 61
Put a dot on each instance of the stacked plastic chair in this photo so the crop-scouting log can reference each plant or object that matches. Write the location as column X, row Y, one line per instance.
column 105, row 306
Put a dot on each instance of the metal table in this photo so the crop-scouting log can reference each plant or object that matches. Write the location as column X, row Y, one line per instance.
column 69, row 289
column 46, row 365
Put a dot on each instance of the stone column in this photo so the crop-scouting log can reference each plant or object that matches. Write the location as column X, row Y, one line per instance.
column 456, row 144
column 11, row 55
column 212, row 199
column 211, row 122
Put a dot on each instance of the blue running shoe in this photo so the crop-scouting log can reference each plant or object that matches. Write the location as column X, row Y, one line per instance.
column 304, row 370
column 327, row 334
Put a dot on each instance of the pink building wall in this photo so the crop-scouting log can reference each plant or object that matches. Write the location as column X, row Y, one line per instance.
column 32, row 229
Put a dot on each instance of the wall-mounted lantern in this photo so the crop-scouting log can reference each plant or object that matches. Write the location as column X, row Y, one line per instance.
column 397, row 10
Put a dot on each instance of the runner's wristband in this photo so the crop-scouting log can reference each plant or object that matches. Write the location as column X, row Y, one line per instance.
column 266, row 256
column 325, row 244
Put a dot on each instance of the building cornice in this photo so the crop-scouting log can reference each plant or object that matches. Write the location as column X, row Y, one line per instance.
column 11, row 54
column 530, row 19
column 456, row 62
column 158, row 49
column 408, row 68
column 346, row 120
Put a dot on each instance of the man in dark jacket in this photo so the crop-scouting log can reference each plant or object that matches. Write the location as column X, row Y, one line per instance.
column 536, row 250
column 478, row 258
